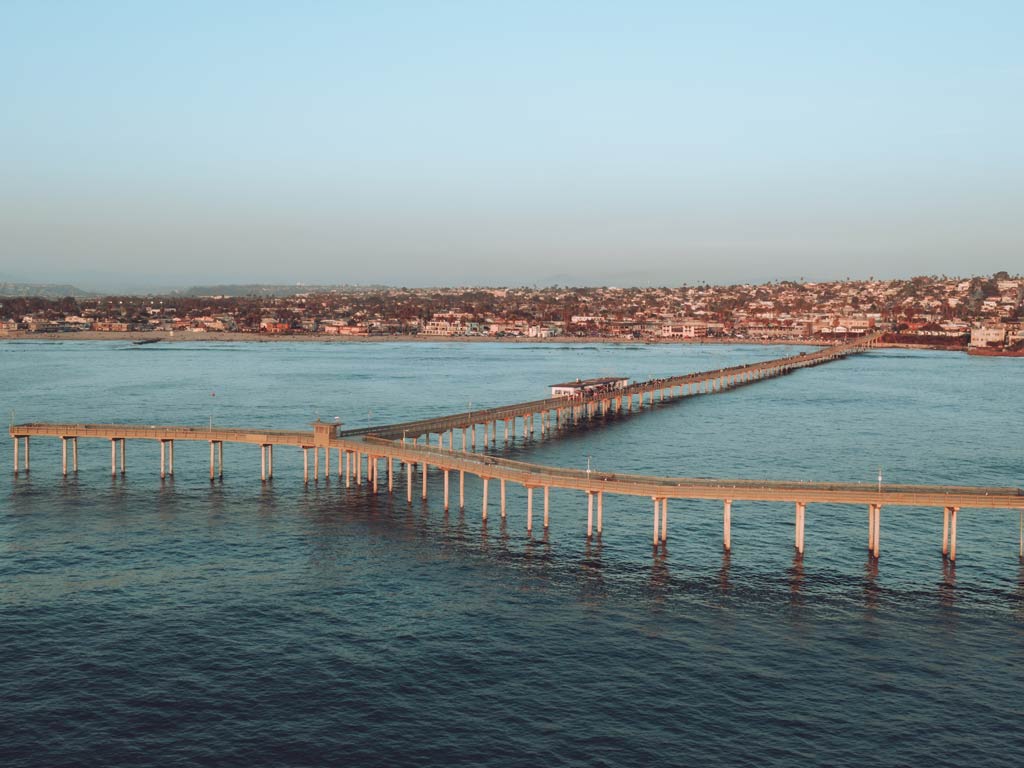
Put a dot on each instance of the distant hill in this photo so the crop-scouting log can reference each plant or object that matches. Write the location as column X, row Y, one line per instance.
column 276, row 291
column 43, row 290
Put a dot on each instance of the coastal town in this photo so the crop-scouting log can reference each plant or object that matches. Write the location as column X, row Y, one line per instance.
column 979, row 313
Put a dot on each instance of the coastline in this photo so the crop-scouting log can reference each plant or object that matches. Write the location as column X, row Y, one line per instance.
column 228, row 336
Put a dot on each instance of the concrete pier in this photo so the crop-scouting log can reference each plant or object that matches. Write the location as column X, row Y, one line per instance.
column 402, row 443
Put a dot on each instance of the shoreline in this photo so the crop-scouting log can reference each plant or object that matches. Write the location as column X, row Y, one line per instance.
column 231, row 336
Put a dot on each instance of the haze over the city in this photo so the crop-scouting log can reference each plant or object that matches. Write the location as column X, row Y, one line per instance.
column 445, row 143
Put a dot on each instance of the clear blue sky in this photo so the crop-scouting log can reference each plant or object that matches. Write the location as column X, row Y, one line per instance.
column 518, row 142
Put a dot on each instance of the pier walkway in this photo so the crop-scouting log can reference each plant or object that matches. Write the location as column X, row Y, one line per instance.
column 372, row 453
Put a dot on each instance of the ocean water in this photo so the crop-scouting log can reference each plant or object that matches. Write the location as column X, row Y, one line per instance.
column 149, row 623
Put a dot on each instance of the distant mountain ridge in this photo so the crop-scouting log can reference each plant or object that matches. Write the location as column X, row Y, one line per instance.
column 44, row 290
column 274, row 291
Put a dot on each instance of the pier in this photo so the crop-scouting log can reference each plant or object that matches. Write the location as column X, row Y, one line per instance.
column 450, row 444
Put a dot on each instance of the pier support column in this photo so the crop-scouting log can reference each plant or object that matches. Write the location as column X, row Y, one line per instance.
column 339, row 457
column 464, row 439
column 424, row 492
column 590, row 514
column 163, row 459
column 358, row 458
column 348, row 469
column 871, row 528
column 506, row 431
column 327, row 464
column 727, row 525
column 446, row 473
column 74, row 455
column 801, row 508
column 600, row 512
column 529, row 508
column 305, row 465
column 263, row 463
column 657, row 512
column 952, row 533
column 16, row 467
column 462, row 489
column 547, row 495
column 113, row 456
column 64, row 456
column 945, row 531
column 664, row 520
column 27, row 461
column 502, row 498
column 212, row 459
column 391, row 476
column 408, row 482
column 483, row 505
column 878, row 530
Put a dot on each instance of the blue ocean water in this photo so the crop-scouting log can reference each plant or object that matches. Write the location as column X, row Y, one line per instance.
column 183, row 623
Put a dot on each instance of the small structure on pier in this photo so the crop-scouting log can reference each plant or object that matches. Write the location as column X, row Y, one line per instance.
column 587, row 387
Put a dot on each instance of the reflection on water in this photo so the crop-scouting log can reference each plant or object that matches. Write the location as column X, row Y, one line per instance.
column 723, row 573
column 796, row 578
column 947, row 587
column 871, row 589
column 660, row 576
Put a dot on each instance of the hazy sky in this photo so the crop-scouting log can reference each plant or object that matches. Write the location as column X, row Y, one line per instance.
column 425, row 143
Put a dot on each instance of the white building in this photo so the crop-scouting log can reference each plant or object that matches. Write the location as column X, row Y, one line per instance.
column 988, row 336
column 582, row 387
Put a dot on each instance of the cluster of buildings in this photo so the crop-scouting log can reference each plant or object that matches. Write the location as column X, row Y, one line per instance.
column 982, row 311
